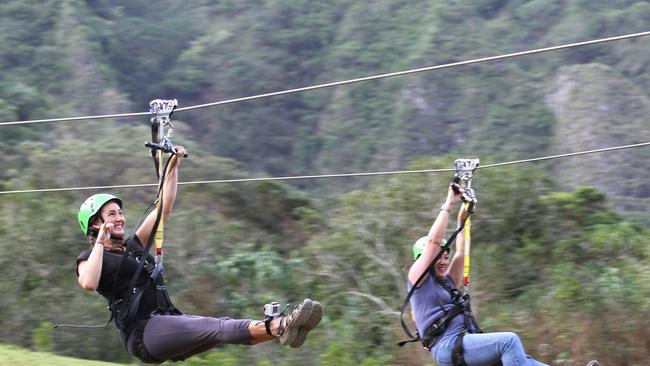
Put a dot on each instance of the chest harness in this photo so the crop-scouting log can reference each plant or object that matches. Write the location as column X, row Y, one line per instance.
column 430, row 271
column 461, row 306
column 126, row 310
column 461, row 303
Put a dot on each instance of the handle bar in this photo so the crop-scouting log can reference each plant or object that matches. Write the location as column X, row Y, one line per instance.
column 167, row 149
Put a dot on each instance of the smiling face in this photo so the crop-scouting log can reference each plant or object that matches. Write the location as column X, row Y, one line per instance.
column 442, row 265
column 112, row 213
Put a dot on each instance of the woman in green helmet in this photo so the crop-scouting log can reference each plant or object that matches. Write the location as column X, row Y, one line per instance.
column 442, row 316
column 111, row 263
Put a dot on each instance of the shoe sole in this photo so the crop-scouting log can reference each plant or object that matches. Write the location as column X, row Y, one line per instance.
column 298, row 321
column 315, row 317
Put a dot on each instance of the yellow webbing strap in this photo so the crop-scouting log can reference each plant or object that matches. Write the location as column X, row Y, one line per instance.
column 468, row 225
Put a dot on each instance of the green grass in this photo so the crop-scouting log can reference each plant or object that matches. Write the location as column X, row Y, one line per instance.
column 12, row 356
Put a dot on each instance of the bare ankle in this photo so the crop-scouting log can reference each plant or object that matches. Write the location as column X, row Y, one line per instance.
column 274, row 326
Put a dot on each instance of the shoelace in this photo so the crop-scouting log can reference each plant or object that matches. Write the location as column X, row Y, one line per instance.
column 285, row 321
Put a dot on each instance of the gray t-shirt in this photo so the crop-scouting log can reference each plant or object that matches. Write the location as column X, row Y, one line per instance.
column 427, row 303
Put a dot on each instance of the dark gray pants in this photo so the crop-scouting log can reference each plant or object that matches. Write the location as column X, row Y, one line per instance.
column 177, row 337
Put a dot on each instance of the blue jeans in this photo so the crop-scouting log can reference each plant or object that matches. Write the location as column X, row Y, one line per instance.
column 485, row 349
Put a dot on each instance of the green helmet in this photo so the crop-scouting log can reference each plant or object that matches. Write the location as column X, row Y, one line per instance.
column 91, row 207
column 419, row 245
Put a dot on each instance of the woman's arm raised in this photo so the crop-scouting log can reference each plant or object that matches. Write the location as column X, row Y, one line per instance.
column 169, row 196
column 435, row 235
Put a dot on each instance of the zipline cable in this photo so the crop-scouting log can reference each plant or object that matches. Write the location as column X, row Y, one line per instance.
column 340, row 175
column 345, row 82
column 423, row 69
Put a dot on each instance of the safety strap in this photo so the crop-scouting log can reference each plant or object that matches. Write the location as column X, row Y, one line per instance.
column 464, row 300
column 464, row 169
column 139, row 349
column 460, row 306
column 437, row 329
column 161, row 111
column 424, row 274
column 164, row 304
column 118, row 305
column 143, row 256
column 457, row 357
column 113, row 300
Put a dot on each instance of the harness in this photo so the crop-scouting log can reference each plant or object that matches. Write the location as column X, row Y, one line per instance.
column 461, row 306
column 430, row 271
column 125, row 311
column 464, row 169
column 161, row 111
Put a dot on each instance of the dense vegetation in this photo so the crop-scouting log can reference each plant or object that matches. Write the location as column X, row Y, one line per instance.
column 12, row 356
column 560, row 250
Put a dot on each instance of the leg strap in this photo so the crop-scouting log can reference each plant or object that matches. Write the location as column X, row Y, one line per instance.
column 457, row 357
column 139, row 349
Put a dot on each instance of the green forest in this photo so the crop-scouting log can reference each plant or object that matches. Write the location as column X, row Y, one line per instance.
column 560, row 248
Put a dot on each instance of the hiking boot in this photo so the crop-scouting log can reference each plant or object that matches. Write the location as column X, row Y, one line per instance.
column 315, row 316
column 593, row 363
column 291, row 323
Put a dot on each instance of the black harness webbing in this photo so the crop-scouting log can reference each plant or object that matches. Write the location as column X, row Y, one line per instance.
column 125, row 310
column 437, row 329
column 424, row 274
column 112, row 301
column 462, row 305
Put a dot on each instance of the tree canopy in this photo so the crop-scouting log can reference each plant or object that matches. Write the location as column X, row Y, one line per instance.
column 559, row 249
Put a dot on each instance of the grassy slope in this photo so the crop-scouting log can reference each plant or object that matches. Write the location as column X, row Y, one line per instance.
column 11, row 356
